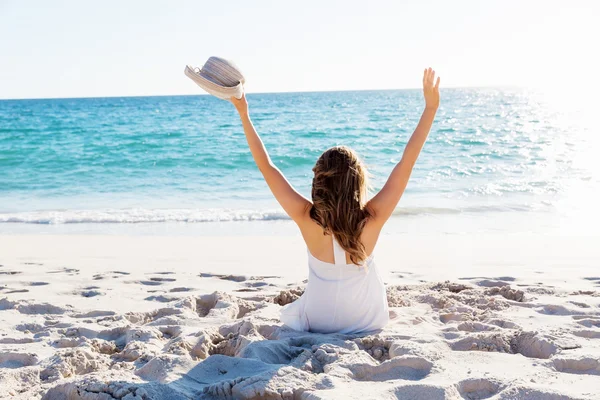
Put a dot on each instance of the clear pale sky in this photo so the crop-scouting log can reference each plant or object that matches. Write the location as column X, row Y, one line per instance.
column 70, row 48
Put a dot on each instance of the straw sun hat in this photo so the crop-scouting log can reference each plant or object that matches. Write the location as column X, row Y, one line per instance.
column 219, row 77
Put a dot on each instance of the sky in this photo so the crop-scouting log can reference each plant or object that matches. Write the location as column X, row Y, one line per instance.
column 74, row 48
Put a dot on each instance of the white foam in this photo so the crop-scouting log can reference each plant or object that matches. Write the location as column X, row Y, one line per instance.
column 196, row 215
column 140, row 215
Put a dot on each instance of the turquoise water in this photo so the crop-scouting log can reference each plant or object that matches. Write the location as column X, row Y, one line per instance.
column 185, row 159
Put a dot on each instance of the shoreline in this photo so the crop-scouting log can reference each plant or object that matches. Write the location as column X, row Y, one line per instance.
column 275, row 223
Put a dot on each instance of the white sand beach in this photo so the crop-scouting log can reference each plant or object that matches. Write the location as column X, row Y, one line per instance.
column 179, row 317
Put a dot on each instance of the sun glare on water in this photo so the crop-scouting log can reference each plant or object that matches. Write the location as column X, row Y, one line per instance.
column 576, row 149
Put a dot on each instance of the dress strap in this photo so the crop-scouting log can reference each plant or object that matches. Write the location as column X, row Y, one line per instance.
column 339, row 255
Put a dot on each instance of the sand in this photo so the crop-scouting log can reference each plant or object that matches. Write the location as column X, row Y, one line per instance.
column 147, row 317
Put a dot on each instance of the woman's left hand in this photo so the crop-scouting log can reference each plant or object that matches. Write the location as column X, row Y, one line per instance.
column 431, row 91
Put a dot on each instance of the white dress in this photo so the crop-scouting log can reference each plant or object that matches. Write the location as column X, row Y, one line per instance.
column 340, row 297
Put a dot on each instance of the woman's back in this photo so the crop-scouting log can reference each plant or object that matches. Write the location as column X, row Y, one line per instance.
column 322, row 246
column 339, row 297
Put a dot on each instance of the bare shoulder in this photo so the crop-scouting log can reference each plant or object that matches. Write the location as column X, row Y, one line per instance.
column 311, row 231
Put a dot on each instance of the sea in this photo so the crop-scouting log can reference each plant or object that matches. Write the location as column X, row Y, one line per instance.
column 497, row 160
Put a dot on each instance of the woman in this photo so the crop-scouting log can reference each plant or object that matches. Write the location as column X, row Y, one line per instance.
column 345, row 292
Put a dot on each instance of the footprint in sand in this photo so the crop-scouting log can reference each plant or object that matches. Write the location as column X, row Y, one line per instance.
column 233, row 278
column 586, row 321
column 116, row 274
column 593, row 279
column 506, row 278
column 399, row 274
column 149, row 283
column 529, row 344
column 9, row 340
column 581, row 365
column 471, row 326
column 541, row 290
column 587, row 333
column 26, row 307
column 154, row 279
column 425, row 391
column 94, row 314
column 11, row 359
column 258, row 284
column 592, row 293
column 489, row 282
column 161, row 298
column 405, row 367
column 503, row 323
column 579, row 304
column 69, row 271
column 181, row 289
column 478, row 388
column 237, row 278
column 91, row 293
column 558, row 309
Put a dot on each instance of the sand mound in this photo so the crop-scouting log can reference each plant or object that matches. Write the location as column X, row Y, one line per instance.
column 288, row 296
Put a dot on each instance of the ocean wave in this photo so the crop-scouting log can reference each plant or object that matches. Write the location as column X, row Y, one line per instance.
column 132, row 216
column 465, row 209
column 140, row 215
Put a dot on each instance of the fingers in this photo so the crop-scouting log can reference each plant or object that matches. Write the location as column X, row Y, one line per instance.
column 428, row 77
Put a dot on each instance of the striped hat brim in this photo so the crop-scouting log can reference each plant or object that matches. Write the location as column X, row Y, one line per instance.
column 205, row 82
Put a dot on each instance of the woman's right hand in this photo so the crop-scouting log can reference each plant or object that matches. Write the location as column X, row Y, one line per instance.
column 241, row 105
column 431, row 92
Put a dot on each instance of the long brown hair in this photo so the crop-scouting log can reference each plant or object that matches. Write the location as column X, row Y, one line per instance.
column 339, row 193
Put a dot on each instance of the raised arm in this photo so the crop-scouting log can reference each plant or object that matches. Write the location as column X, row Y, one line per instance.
column 294, row 204
column 384, row 203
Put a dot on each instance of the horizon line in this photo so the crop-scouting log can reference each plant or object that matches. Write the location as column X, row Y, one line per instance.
column 251, row 93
